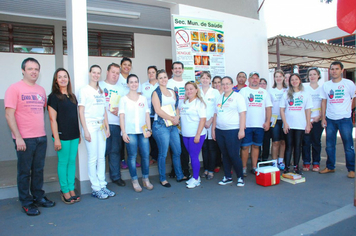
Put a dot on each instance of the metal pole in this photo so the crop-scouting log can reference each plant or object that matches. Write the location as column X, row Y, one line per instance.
column 278, row 55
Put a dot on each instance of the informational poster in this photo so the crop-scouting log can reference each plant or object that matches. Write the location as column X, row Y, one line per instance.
column 200, row 46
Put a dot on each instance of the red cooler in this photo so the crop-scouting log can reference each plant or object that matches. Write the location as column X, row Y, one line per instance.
column 267, row 175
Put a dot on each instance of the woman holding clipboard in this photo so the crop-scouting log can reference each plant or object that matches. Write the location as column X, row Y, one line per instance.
column 165, row 129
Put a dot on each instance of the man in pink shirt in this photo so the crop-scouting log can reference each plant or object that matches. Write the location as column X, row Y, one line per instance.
column 24, row 110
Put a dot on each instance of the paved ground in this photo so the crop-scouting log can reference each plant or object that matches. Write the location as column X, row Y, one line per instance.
column 321, row 206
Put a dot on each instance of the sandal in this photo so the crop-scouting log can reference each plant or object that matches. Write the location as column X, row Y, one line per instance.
column 65, row 200
column 76, row 198
column 306, row 167
column 210, row 176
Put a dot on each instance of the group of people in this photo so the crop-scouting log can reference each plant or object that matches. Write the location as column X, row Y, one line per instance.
column 216, row 118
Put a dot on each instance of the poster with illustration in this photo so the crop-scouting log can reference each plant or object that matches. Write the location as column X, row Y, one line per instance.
column 200, row 46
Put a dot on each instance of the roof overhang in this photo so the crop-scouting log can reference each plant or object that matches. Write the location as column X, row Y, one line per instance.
column 304, row 52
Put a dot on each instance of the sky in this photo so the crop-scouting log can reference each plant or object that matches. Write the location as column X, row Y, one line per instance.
column 298, row 17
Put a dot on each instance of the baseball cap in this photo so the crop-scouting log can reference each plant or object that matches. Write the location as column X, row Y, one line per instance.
column 253, row 73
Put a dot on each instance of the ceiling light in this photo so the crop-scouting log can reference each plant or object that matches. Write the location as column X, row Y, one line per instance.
column 115, row 13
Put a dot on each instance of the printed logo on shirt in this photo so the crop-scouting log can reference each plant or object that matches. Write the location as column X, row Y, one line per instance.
column 141, row 105
column 296, row 104
column 260, row 92
column 331, row 94
column 338, row 95
column 179, row 92
column 183, row 110
column 255, row 100
column 251, row 98
column 230, row 100
column 32, row 97
column 291, row 102
column 106, row 92
column 147, row 88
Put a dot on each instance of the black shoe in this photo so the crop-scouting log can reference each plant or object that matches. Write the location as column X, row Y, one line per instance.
column 172, row 175
column 31, row 210
column 120, row 182
column 167, row 185
column 187, row 174
column 45, row 202
column 183, row 179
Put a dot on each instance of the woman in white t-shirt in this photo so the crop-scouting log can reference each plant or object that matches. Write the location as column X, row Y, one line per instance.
column 295, row 112
column 94, row 120
column 229, row 129
column 276, row 92
column 192, row 117
column 210, row 147
column 136, row 129
column 164, row 128
column 313, row 139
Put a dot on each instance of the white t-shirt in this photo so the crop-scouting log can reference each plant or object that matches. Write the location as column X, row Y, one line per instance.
column 315, row 95
column 179, row 88
column 339, row 98
column 109, row 89
column 227, row 114
column 190, row 115
column 135, row 114
column 210, row 100
column 123, row 82
column 276, row 96
column 256, row 102
column 167, row 101
column 147, row 90
column 94, row 103
column 295, row 109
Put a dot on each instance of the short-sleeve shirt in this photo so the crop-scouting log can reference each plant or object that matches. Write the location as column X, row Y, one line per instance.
column 190, row 115
column 276, row 95
column 210, row 100
column 147, row 90
column 94, row 103
column 108, row 90
column 179, row 88
column 257, row 100
column 315, row 94
column 29, row 102
column 228, row 114
column 295, row 109
column 135, row 114
column 67, row 116
column 123, row 83
column 339, row 98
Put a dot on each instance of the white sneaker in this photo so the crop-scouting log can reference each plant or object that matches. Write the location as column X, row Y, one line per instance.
column 191, row 179
column 194, row 183
column 240, row 182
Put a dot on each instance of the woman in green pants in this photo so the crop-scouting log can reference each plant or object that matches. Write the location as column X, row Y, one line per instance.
column 63, row 113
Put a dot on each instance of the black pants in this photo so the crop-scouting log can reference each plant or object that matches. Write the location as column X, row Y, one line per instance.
column 210, row 153
column 184, row 158
column 153, row 145
column 264, row 155
column 294, row 140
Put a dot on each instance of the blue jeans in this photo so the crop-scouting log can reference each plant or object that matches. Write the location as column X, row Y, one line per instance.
column 229, row 145
column 345, row 128
column 167, row 137
column 30, row 164
column 138, row 140
column 113, row 151
column 312, row 139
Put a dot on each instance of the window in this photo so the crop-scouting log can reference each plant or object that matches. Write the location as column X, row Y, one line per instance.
column 344, row 41
column 26, row 38
column 106, row 43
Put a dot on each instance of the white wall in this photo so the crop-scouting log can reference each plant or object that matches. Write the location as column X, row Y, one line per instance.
column 245, row 40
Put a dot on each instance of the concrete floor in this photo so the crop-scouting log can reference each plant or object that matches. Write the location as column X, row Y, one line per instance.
column 320, row 206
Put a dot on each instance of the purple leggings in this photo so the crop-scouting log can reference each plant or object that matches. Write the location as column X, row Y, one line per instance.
column 194, row 150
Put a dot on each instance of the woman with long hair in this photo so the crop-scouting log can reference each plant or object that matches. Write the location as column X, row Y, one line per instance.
column 193, row 117
column 229, row 129
column 295, row 108
column 276, row 92
column 63, row 114
column 94, row 120
column 313, row 139
column 165, row 129
column 210, row 147
column 136, row 129
column 216, row 84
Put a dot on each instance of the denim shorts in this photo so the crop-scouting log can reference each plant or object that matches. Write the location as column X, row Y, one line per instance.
column 277, row 132
column 253, row 136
